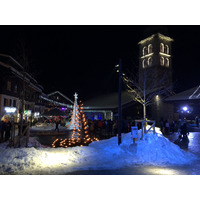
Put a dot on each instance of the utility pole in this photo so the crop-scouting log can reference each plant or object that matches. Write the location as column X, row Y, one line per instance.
column 22, row 108
column 120, row 103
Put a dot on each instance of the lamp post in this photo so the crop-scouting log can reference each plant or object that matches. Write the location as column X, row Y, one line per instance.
column 119, row 102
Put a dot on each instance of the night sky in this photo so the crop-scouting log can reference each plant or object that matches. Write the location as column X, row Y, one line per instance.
column 82, row 58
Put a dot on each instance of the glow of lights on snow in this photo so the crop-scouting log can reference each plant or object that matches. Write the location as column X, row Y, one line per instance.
column 162, row 171
column 54, row 159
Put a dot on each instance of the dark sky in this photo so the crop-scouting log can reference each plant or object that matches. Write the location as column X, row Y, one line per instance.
column 82, row 58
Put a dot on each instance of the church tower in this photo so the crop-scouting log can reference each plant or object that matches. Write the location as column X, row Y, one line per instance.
column 156, row 60
column 155, row 66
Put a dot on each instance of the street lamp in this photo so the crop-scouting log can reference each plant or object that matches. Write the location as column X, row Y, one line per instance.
column 119, row 101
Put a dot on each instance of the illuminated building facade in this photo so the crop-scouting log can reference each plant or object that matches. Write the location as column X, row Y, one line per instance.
column 11, row 90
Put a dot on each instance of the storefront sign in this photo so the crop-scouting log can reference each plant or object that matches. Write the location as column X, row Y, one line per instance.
column 10, row 109
column 27, row 112
column 36, row 114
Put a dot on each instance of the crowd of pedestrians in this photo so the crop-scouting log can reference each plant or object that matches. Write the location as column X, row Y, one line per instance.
column 167, row 128
column 108, row 128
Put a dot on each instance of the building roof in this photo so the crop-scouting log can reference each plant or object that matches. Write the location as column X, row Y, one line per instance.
column 109, row 101
column 161, row 36
column 57, row 92
column 190, row 94
column 17, row 69
column 54, row 112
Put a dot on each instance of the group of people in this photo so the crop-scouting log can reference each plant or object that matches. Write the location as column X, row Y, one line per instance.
column 5, row 129
column 106, row 128
column 167, row 127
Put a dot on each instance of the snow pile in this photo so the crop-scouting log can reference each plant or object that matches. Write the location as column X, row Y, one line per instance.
column 154, row 149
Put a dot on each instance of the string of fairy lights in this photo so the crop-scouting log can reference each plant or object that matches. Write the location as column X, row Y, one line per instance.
column 80, row 134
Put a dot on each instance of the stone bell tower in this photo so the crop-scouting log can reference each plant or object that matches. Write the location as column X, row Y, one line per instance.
column 155, row 66
column 155, row 60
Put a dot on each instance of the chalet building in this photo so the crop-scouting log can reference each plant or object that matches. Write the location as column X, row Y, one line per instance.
column 12, row 77
column 57, row 100
column 186, row 103
column 105, row 107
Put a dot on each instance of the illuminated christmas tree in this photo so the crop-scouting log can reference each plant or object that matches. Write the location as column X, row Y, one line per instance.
column 74, row 117
column 80, row 135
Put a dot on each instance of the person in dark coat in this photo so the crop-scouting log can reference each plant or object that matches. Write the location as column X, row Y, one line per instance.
column 57, row 123
column 183, row 140
column 7, row 129
column 2, row 130
column 184, row 131
column 166, row 127
column 197, row 121
column 173, row 126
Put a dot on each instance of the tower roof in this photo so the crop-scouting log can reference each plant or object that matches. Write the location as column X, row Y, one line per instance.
column 161, row 36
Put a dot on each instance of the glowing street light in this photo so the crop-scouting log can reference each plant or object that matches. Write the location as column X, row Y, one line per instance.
column 185, row 108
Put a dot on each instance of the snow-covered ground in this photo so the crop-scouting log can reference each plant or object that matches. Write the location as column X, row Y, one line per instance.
column 154, row 149
column 47, row 127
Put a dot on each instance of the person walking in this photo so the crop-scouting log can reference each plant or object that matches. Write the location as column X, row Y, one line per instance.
column 197, row 121
column 173, row 126
column 7, row 130
column 91, row 128
column 57, row 124
column 166, row 127
column 2, row 130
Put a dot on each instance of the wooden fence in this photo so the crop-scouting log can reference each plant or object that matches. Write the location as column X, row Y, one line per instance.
column 17, row 140
column 144, row 126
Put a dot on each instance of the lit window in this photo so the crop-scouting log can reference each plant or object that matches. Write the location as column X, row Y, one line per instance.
column 9, row 85
column 149, row 61
column 166, row 62
column 150, row 48
column 162, row 47
column 57, row 98
column 166, row 49
column 144, row 51
column 162, row 61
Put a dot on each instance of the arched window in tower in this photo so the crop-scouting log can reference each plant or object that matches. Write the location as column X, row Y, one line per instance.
column 149, row 61
column 162, row 47
column 150, row 48
column 167, row 62
column 162, row 61
column 143, row 63
column 144, row 51
column 166, row 49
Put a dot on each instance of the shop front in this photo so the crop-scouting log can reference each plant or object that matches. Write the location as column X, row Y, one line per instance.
column 10, row 114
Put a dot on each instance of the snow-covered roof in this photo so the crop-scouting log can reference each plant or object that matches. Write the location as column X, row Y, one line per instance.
column 190, row 94
column 17, row 69
column 57, row 92
column 161, row 36
column 108, row 101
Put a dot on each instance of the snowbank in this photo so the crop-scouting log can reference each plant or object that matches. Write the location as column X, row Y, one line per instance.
column 154, row 149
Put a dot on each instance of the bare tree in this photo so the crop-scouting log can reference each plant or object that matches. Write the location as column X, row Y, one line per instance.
column 144, row 90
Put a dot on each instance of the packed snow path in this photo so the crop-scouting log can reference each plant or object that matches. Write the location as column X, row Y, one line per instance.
column 154, row 150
